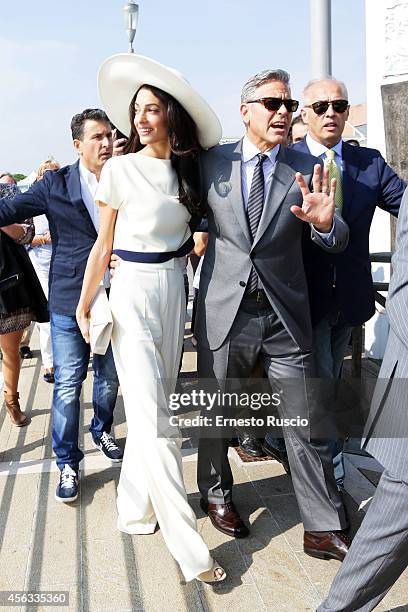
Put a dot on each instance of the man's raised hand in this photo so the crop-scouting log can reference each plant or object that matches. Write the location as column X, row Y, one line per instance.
column 318, row 206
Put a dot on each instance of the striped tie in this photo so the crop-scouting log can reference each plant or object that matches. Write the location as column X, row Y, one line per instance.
column 254, row 211
column 334, row 172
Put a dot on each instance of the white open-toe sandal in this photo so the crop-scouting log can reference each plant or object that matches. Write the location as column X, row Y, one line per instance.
column 215, row 574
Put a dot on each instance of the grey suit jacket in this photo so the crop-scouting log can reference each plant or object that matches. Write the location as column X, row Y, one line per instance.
column 387, row 425
column 276, row 251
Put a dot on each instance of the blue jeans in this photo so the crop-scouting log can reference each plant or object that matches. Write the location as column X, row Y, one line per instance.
column 71, row 359
column 330, row 339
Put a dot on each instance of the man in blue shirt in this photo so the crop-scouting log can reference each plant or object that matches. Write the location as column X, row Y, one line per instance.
column 341, row 291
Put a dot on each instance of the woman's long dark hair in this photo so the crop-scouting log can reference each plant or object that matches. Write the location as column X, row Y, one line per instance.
column 185, row 149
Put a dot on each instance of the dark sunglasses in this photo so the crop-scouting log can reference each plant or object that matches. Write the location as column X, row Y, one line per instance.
column 320, row 107
column 274, row 104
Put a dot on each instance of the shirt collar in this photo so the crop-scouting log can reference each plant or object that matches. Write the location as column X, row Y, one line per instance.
column 88, row 176
column 249, row 150
column 317, row 149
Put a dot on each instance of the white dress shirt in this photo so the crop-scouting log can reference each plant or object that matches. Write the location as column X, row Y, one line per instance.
column 89, row 185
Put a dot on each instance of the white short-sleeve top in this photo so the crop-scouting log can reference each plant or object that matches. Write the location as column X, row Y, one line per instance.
column 144, row 190
column 40, row 255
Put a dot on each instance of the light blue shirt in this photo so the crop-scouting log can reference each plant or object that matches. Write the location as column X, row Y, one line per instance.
column 319, row 150
column 249, row 161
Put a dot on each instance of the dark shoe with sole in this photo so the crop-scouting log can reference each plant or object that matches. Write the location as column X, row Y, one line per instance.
column 26, row 353
column 225, row 518
column 108, row 447
column 67, row 488
column 326, row 544
column 278, row 455
column 250, row 445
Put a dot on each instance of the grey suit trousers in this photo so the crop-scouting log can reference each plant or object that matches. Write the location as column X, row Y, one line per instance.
column 378, row 554
column 257, row 333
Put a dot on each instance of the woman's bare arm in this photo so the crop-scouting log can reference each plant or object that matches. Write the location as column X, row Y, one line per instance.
column 98, row 261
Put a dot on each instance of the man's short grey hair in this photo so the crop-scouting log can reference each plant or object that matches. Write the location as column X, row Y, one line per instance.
column 261, row 78
column 328, row 78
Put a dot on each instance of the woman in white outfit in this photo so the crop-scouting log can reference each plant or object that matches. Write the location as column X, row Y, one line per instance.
column 40, row 255
column 147, row 199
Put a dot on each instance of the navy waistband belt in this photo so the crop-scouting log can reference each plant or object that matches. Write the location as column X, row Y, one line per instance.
column 139, row 257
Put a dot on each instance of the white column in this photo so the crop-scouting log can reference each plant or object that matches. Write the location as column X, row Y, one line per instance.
column 387, row 62
column 375, row 54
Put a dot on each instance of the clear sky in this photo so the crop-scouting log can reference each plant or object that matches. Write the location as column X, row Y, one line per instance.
column 50, row 53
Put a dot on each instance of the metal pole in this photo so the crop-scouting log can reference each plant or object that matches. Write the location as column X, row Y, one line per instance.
column 320, row 31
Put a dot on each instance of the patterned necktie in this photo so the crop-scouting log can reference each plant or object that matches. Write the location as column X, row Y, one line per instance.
column 254, row 211
column 334, row 172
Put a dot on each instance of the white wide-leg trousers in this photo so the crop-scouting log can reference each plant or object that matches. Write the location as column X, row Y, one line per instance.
column 148, row 307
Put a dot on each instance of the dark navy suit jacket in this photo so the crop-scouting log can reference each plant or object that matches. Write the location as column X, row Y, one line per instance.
column 58, row 195
column 367, row 182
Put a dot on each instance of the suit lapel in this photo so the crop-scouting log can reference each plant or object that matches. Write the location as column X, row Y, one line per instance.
column 350, row 173
column 282, row 179
column 235, row 197
column 301, row 146
column 74, row 190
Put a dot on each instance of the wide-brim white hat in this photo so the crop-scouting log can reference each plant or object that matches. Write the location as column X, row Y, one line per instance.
column 121, row 75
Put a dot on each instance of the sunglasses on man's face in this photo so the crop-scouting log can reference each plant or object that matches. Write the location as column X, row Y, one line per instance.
column 274, row 104
column 320, row 107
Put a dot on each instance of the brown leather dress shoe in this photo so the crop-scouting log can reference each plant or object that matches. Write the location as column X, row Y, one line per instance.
column 225, row 518
column 326, row 544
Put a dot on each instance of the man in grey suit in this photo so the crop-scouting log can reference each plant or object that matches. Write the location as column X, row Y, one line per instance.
column 379, row 553
column 253, row 298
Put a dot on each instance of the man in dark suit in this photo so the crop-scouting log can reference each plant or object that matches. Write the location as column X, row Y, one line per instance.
column 379, row 553
column 253, row 298
column 340, row 285
column 66, row 197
